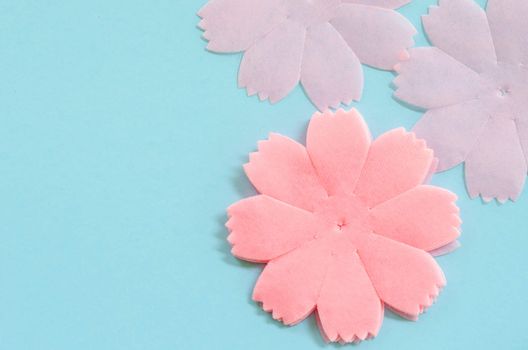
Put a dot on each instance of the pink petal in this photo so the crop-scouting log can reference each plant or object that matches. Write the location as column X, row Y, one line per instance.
column 289, row 285
column 452, row 131
column 390, row 4
column 272, row 67
column 283, row 170
column 378, row 36
column 507, row 19
column 348, row 308
column 331, row 73
column 460, row 28
column 522, row 129
column 235, row 25
column 432, row 79
column 496, row 167
column 338, row 145
column 432, row 170
column 425, row 217
column 263, row 228
column 396, row 162
column 405, row 278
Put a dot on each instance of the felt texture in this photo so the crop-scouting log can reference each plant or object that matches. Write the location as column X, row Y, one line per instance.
column 356, row 238
column 319, row 44
column 474, row 85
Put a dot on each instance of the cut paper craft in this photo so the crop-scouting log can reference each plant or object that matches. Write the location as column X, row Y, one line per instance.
column 474, row 85
column 319, row 43
column 345, row 226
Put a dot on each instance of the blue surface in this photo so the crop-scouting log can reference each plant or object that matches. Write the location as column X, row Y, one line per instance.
column 121, row 145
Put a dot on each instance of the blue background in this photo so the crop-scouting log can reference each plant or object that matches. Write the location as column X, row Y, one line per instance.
column 121, row 145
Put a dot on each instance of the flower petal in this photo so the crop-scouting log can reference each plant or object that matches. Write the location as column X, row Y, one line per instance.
column 348, row 307
column 496, row 167
column 235, row 25
column 263, row 228
column 289, row 285
column 396, row 162
column 272, row 67
column 338, row 145
column 425, row 217
column 432, row 79
column 507, row 19
column 522, row 130
column 405, row 278
column 379, row 36
column 390, row 4
column 445, row 249
column 452, row 131
column 460, row 28
column 331, row 73
column 283, row 170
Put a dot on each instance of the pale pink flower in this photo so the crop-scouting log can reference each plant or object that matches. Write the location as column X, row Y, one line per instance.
column 319, row 43
column 474, row 85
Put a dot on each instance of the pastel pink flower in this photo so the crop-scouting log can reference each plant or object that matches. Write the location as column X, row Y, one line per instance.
column 344, row 225
column 319, row 43
column 474, row 85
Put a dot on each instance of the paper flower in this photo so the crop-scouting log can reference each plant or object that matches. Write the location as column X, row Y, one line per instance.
column 345, row 226
column 474, row 85
column 319, row 43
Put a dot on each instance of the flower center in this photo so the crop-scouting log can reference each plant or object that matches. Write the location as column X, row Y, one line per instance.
column 309, row 12
column 344, row 214
column 503, row 91
column 505, row 85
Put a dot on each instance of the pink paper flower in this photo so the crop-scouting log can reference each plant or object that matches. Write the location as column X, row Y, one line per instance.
column 345, row 226
column 319, row 43
column 474, row 85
